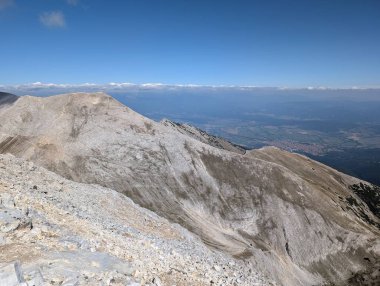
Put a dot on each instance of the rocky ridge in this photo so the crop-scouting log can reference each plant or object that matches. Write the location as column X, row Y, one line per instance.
column 283, row 214
column 203, row 136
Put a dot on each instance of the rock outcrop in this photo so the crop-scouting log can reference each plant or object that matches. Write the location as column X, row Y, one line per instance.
column 283, row 214
column 203, row 136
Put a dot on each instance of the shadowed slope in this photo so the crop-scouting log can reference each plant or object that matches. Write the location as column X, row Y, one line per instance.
column 7, row 98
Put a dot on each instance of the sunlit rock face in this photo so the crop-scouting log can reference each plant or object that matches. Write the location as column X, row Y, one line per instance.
column 296, row 220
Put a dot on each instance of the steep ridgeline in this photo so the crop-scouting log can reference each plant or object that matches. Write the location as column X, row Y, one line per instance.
column 297, row 220
column 204, row 137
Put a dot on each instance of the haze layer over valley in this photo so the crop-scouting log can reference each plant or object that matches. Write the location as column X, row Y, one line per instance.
column 266, row 215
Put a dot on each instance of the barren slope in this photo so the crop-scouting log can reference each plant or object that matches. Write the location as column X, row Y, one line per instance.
column 66, row 232
column 294, row 218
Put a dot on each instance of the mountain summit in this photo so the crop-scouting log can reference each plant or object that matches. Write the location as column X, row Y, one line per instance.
column 295, row 220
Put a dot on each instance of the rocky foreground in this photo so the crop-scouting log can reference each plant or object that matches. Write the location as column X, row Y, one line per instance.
column 57, row 232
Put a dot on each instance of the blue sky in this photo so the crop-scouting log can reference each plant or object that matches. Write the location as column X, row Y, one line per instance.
column 293, row 43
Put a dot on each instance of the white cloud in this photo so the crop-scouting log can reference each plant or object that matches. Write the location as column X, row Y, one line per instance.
column 40, row 88
column 5, row 3
column 72, row 2
column 53, row 19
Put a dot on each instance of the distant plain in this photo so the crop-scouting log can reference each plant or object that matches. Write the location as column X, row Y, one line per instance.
column 340, row 128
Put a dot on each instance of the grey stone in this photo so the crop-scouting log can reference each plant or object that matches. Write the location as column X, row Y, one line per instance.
column 35, row 278
column 11, row 275
column 70, row 282
column 7, row 200
column 2, row 239
column 11, row 226
column 217, row 268
column 156, row 281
